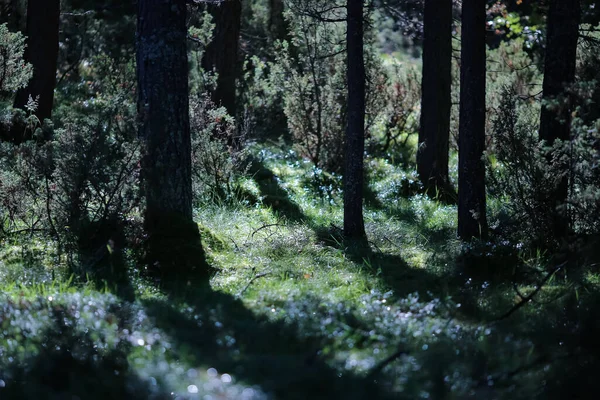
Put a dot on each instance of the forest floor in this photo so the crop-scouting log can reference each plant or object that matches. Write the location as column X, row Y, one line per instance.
column 293, row 311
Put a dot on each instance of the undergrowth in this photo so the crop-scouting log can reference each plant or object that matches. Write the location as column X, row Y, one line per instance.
column 294, row 311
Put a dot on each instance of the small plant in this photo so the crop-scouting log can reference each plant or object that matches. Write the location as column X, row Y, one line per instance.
column 14, row 71
column 216, row 157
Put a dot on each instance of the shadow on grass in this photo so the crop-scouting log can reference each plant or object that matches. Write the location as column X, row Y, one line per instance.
column 101, row 259
column 70, row 365
column 274, row 195
column 255, row 350
column 392, row 269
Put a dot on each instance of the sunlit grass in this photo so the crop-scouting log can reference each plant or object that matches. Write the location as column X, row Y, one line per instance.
column 294, row 310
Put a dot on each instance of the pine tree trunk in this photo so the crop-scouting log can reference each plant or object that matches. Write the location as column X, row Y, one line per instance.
column 472, row 221
column 42, row 53
column 277, row 24
column 221, row 55
column 162, row 72
column 354, row 226
column 432, row 157
column 559, row 73
column 11, row 13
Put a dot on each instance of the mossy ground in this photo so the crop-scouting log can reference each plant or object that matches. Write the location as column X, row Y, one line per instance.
column 293, row 311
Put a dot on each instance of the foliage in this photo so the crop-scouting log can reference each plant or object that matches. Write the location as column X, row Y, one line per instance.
column 526, row 172
column 315, row 87
column 522, row 173
column 398, row 92
column 215, row 163
column 79, row 185
column 200, row 34
column 262, row 97
column 14, row 72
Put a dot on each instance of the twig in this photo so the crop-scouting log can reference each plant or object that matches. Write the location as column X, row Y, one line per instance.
column 264, row 227
column 235, row 244
column 379, row 367
column 255, row 277
column 531, row 295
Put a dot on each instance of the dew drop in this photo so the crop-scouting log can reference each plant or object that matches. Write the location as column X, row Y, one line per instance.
column 192, row 389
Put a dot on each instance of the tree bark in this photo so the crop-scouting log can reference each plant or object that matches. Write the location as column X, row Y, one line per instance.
column 42, row 53
column 559, row 73
column 277, row 25
column 163, row 110
column 472, row 221
column 432, row 157
column 221, row 54
column 354, row 226
column 11, row 13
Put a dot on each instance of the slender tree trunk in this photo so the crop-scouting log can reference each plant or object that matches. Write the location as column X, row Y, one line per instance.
column 42, row 53
column 277, row 24
column 559, row 73
column 472, row 222
column 221, row 55
column 162, row 72
column 354, row 226
column 432, row 157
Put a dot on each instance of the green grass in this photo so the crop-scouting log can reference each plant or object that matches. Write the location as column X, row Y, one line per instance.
column 293, row 311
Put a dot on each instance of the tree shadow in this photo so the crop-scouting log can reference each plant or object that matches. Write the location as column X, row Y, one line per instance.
column 70, row 365
column 274, row 196
column 101, row 258
column 392, row 269
column 225, row 335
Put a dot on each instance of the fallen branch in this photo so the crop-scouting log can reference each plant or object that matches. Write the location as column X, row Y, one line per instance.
column 264, row 227
column 379, row 367
column 530, row 296
column 255, row 277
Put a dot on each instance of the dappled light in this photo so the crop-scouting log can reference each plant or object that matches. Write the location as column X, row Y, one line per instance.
column 298, row 199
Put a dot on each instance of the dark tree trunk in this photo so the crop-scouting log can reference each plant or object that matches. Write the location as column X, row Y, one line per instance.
column 354, row 226
column 221, row 55
column 42, row 53
column 432, row 157
column 559, row 73
column 162, row 72
column 11, row 13
column 277, row 24
column 472, row 222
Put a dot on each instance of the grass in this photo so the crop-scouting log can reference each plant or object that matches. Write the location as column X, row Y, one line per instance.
column 294, row 311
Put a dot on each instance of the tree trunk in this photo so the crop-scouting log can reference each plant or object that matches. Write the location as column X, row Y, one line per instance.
column 432, row 157
column 472, row 222
column 277, row 24
column 11, row 13
column 559, row 73
column 221, row 54
column 354, row 226
column 162, row 73
column 42, row 53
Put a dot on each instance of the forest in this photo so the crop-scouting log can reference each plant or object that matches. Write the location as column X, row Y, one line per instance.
column 299, row 199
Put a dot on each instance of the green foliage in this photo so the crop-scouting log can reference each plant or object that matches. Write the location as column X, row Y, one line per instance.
column 215, row 163
column 200, row 33
column 79, row 184
column 520, row 173
column 315, row 85
column 14, row 71
column 511, row 25
column 263, row 98
column 395, row 123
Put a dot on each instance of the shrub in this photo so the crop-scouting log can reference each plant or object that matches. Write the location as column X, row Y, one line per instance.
column 315, row 90
column 215, row 161
column 526, row 173
column 79, row 184
column 14, row 72
column 397, row 98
